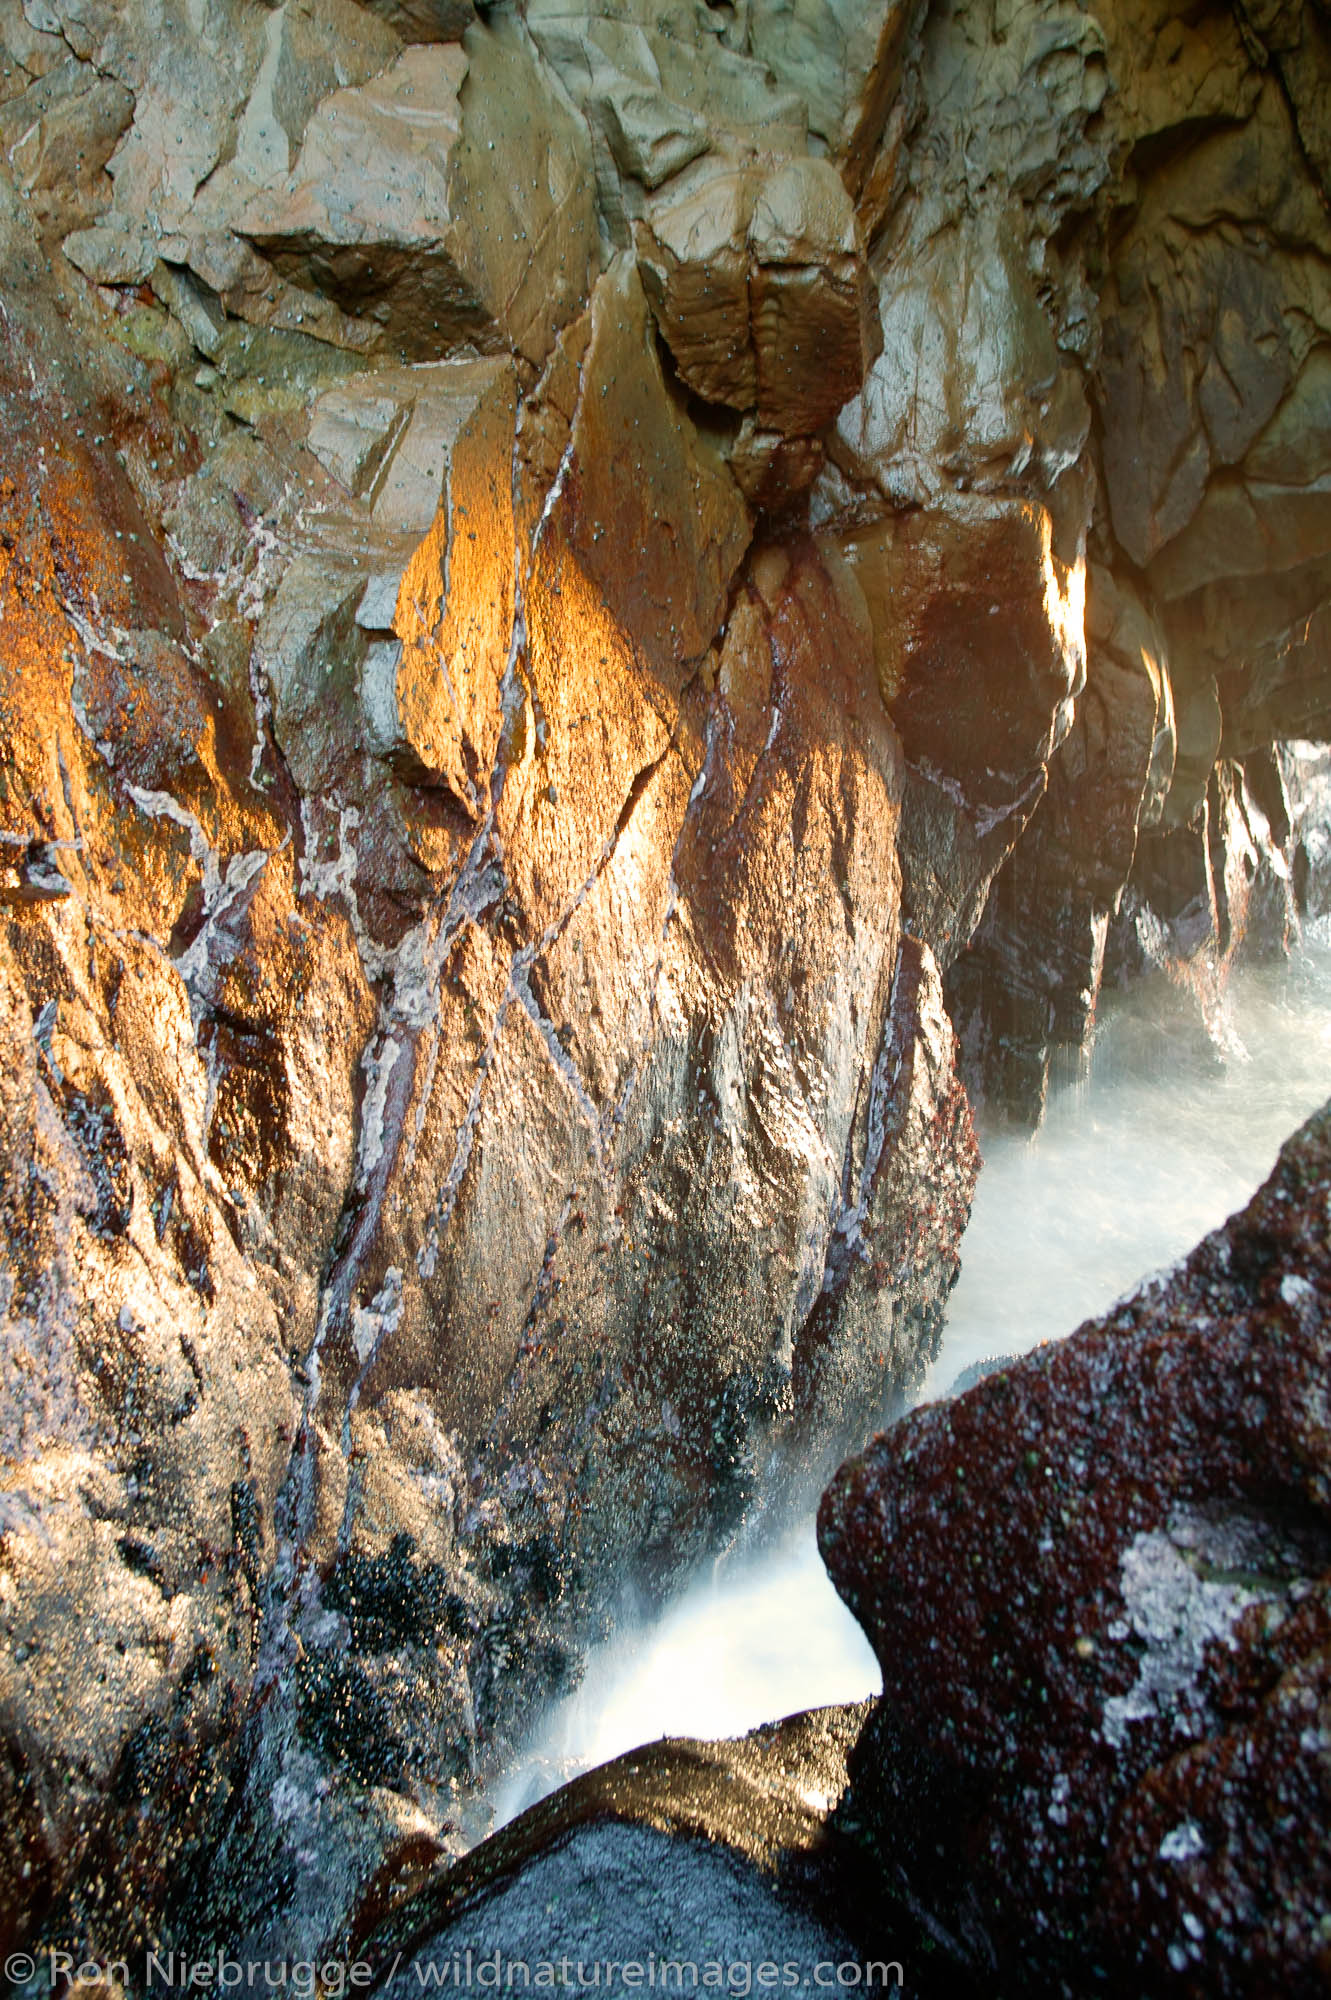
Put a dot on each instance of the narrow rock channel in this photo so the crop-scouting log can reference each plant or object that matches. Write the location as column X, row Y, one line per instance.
column 615, row 622
column 1162, row 1136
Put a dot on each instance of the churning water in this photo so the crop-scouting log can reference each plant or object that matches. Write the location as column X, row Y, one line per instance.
column 1160, row 1139
column 1160, row 1136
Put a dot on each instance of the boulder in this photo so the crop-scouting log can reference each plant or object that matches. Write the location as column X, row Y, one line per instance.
column 751, row 274
column 706, row 1862
column 964, row 600
column 1101, row 1750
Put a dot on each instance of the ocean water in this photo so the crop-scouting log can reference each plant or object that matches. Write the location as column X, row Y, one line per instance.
column 747, row 1643
column 1158, row 1139
column 1154, row 1139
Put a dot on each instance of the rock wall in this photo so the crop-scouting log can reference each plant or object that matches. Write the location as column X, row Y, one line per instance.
column 1098, row 1588
column 563, row 577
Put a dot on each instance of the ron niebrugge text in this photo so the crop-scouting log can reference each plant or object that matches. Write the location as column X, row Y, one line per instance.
column 178, row 1972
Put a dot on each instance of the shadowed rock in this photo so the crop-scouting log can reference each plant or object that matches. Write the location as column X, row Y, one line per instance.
column 685, row 1858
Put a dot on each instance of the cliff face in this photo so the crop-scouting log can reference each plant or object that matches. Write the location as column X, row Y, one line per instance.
column 562, row 577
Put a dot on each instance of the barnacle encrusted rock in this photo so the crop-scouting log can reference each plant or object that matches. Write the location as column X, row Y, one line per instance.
column 1102, row 1746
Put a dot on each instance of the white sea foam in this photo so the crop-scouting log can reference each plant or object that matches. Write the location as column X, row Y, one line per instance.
column 1157, row 1142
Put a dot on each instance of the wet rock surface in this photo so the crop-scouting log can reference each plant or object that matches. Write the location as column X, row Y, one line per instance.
column 544, row 661
column 441, row 1089
column 700, row 1853
column 1101, row 1756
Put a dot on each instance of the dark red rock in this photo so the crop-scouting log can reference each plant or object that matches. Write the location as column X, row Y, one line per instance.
column 1098, row 1585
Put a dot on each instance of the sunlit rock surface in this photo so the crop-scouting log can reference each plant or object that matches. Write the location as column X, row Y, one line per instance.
column 464, row 1052
column 574, row 587
column 1101, row 1752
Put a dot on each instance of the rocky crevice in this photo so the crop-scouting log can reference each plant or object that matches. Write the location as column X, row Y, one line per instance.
column 573, row 593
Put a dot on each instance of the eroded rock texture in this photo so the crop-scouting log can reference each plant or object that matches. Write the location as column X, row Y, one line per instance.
column 1101, row 1760
column 1088, row 298
column 563, row 575
column 470, row 1094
